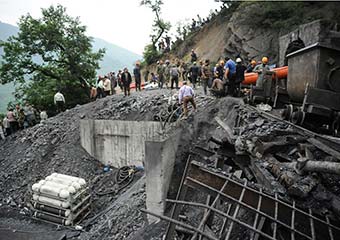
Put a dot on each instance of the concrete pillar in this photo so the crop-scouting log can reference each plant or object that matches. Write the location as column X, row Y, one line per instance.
column 160, row 157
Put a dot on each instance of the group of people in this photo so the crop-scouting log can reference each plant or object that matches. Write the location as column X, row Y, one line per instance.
column 223, row 79
column 107, row 84
column 19, row 118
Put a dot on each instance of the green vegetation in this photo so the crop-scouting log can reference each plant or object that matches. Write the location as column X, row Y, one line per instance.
column 54, row 53
column 115, row 58
column 285, row 16
column 160, row 27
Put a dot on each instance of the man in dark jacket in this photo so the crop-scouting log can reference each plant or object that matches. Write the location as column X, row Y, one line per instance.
column 194, row 72
column 239, row 76
column 137, row 75
column 126, row 80
column 193, row 56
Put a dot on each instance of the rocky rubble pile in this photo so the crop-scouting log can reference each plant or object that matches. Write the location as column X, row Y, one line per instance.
column 54, row 146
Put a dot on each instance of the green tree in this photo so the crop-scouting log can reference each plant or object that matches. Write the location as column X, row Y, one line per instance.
column 160, row 26
column 50, row 53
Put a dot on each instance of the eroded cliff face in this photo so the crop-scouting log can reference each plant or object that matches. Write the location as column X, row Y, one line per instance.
column 253, row 30
column 231, row 36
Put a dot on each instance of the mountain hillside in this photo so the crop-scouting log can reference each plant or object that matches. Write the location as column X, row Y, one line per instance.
column 115, row 58
column 252, row 29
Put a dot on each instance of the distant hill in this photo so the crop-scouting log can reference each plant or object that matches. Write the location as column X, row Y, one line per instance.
column 115, row 58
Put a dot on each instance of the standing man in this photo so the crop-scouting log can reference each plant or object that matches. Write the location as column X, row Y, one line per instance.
column 100, row 88
column 107, row 86
column 137, row 75
column 113, row 82
column 230, row 73
column 59, row 101
column 12, row 121
column 7, row 127
column 186, row 94
column 126, row 80
column 160, row 73
column 119, row 79
column 193, row 56
column 239, row 76
column 167, row 73
column 174, row 74
column 194, row 72
column 264, row 79
column 2, row 135
column 206, row 75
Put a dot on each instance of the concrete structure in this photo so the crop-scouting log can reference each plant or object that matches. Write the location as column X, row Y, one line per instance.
column 117, row 143
column 124, row 143
column 160, row 155
column 319, row 31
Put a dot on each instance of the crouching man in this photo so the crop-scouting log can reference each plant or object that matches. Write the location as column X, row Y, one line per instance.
column 186, row 94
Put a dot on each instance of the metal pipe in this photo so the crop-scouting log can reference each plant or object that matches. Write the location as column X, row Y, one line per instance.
column 315, row 166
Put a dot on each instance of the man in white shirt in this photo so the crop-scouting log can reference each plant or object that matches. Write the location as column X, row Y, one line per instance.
column 2, row 135
column 59, row 101
column 186, row 94
column 107, row 87
column 43, row 116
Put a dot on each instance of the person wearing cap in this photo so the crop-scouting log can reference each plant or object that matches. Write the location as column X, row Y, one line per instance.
column 137, row 75
column 194, row 70
column 251, row 66
column 264, row 78
column 239, row 76
column 126, row 80
column 185, row 95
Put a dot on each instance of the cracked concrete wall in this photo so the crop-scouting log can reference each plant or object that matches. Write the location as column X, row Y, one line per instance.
column 117, row 143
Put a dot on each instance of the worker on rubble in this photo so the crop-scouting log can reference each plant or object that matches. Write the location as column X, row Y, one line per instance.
column 107, row 86
column 174, row 74
column 160, row 72
column 219, row 70
column 264, row 78
column 167, row 77
column 194, row 70
column 229, row 74
column 251, row 66
column 186, row 94
column 206, row 75
column 218, row 88
column 126, row 80
column 138, row 76
column 59, row 101
column 239, row 76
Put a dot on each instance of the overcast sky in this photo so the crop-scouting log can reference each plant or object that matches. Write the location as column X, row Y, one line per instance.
column 122, row 22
